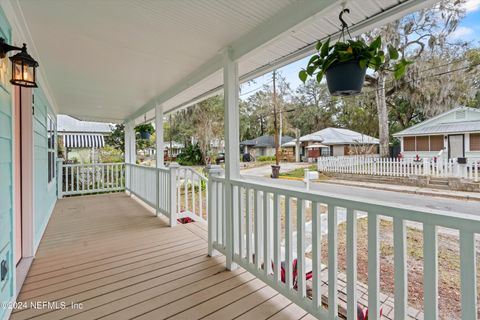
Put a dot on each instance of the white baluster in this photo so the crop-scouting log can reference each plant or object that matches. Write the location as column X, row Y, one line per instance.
column 332, row 263
column 351, row 264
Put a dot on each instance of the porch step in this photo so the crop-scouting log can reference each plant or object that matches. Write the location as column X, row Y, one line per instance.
column 438, row 182
column 438, row 186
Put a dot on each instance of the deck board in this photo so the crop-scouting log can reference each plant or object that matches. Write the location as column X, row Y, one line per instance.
column 112, row 255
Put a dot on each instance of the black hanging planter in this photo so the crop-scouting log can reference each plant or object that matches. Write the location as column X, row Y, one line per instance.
column 145, row 135
column 345, row 78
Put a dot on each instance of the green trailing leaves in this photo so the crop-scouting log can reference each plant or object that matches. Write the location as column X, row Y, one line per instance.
column 368, row 56
column 392, row 52
column 325, row 48
column 375, row 45
column 303, row 75
column 400, row 68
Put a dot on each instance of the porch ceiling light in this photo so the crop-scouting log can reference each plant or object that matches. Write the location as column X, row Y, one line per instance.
column 23, row 65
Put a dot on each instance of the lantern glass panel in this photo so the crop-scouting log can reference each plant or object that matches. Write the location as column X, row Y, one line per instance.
column 23, row 74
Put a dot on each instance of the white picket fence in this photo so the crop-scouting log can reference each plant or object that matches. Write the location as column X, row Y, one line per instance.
column 246, row 225
column 78, row 179
column 400, row 167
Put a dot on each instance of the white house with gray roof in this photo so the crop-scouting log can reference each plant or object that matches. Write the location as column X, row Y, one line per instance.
column 456, row 132
column 334, row 142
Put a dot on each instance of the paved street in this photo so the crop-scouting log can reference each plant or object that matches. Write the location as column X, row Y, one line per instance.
column 444, row 204
column 265, row 171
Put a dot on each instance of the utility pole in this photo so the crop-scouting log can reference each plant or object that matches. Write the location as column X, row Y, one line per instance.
column 275, row 121
column 170, row 134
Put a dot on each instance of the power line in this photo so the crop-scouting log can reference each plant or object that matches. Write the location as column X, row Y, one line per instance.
column 429, row 76
column 256, row 89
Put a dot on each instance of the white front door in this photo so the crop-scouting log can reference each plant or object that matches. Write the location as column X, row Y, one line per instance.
column 456, row 146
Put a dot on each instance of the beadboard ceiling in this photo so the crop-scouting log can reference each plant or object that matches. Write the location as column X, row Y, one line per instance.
column 112, row 60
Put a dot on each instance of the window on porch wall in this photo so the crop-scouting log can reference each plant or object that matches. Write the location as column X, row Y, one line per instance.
column 475, row 142
column 422, row 144
column 436, row 143
column 409, row 143
column 51, row 147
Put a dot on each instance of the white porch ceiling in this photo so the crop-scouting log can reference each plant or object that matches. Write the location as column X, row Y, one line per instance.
column 112, row 60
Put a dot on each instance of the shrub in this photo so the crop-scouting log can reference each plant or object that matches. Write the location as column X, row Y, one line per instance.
column 266, row 158
column 190, row 156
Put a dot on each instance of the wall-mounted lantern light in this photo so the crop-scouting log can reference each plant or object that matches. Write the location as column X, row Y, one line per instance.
column 23, row 65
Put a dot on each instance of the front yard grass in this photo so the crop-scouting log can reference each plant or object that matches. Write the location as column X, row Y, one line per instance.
column 299, row 173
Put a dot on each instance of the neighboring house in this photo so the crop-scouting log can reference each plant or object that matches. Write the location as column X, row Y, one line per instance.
column 332, row 142
column 217, row 145
column 80, row 135
column 456, row 132
column 261, row 146
column 174, row 148
column 171, row 149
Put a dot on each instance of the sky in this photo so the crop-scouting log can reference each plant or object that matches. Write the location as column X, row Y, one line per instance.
column 469, row 30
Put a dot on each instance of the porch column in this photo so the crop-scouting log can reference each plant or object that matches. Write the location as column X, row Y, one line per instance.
column 232, row 140
column 130, row 151
column 160, row 145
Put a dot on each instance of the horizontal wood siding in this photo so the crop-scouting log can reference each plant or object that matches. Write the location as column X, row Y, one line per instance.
column 6, row 173
column 44, row 192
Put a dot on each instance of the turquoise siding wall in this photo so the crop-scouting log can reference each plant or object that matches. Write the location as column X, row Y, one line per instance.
column 45, row 194
column 6, row 177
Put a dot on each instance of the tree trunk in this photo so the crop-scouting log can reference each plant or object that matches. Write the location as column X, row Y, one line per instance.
column 382, row 116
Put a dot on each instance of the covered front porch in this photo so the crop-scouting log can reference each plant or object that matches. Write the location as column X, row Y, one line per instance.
column 108, row 256
column 256, row 250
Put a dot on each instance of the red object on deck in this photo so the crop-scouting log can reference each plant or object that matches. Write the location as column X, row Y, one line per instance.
column 185, row 220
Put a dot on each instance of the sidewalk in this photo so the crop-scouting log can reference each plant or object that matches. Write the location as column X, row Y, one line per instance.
column 460, row 195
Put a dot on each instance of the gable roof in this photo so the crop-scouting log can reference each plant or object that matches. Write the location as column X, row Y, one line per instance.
column 459, row 119
column 67, row 124
column 264, row 141
column 335, row 136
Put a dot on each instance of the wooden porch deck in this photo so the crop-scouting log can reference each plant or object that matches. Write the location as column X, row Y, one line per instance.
column 108, row 257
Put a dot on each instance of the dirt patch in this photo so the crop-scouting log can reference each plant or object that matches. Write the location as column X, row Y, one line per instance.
column 448, row 264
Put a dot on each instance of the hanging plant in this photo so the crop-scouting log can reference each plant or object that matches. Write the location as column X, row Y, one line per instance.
column 145, row 130
column 345, row 63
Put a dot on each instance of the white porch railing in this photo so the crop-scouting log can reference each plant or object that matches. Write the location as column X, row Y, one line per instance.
column 176, row 192
column 192, row 195
column 77, row 179
column 263, row 216
column 400, row 167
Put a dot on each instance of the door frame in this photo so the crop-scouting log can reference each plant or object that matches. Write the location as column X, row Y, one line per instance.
column 463, row 144
column 27, row 182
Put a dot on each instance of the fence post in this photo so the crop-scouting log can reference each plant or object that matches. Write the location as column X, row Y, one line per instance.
column 426, row 166
column 173, row 193
column 60, row 178
column 212, row 170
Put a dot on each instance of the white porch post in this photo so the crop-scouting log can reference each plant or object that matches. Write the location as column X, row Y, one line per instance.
column 160, row 145
column 60, row 178
column 232, row 152
column 172, row 192
column 130, row 152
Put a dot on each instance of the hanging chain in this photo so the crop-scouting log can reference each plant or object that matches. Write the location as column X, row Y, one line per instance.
column 344, row 24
